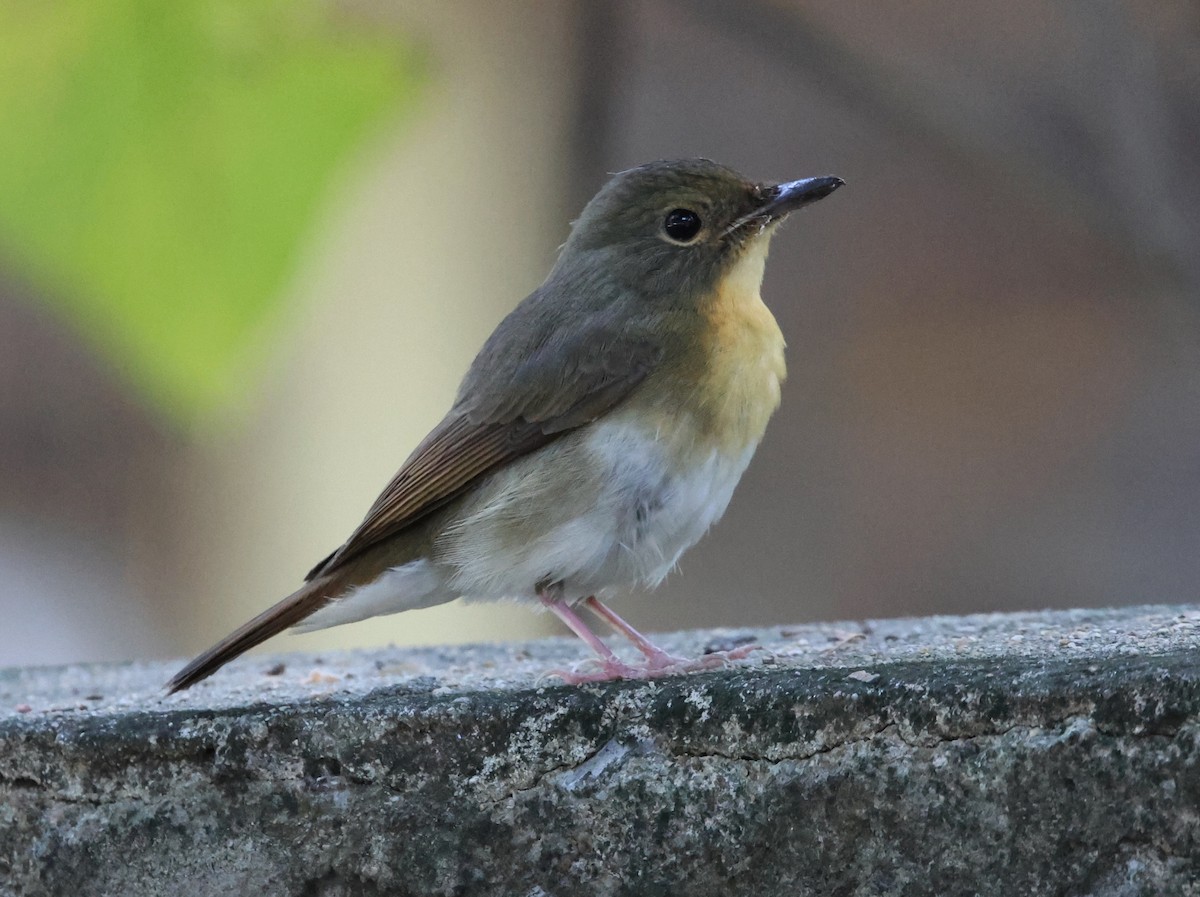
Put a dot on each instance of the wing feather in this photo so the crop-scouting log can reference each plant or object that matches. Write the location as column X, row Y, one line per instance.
column 516, row 399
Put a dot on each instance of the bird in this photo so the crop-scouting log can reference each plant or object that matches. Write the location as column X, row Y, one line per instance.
column 598, row 434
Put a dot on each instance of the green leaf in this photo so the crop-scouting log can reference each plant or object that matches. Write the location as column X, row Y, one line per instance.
column 161, row 162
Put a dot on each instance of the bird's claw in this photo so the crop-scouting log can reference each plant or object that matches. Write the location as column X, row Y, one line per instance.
column 608, row 671
column 656, row 666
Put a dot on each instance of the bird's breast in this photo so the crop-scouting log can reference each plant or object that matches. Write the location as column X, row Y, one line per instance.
column 733, row 385
column 616, row 503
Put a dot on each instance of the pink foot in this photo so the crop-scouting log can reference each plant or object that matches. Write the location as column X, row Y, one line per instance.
column 736, row 653
column 661, row 664
column 658, row 662
column 658, row 659
column 714, row 661
column 610, row 670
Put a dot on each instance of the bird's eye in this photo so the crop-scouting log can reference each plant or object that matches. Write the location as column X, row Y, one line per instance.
column 682, row 225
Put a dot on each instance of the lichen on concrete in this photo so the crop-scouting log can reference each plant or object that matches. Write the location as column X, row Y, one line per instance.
column 1050, row 753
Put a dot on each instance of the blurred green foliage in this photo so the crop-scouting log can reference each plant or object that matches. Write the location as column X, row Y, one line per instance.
column 160, row 163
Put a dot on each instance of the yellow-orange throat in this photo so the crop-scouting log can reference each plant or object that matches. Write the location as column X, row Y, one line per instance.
column 745, row 364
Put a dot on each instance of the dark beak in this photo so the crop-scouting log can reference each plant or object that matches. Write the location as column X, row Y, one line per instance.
column 784, row 198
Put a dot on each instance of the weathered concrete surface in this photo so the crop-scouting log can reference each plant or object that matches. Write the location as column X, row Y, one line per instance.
column 1052, row 753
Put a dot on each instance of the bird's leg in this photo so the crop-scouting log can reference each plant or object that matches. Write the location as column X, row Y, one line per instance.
column 658, row 661
column 611, row 666
column 656, row 658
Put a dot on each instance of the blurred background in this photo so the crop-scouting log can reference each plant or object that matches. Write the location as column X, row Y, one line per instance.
column 248, row 248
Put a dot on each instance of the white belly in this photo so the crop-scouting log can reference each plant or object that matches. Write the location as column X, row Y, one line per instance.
column 626, row 525
column 628, row 531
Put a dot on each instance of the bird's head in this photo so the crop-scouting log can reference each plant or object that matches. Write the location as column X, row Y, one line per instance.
column 667, row 229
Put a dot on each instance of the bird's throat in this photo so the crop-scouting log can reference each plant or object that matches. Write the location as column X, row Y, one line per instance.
column 744, row 363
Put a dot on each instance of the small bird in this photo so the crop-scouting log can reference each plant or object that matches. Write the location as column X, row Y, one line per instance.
column 599, row 432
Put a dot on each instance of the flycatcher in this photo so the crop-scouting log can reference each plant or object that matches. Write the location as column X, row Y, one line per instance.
column 599, row 433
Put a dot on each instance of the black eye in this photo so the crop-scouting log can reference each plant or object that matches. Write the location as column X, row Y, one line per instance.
column 682, row 225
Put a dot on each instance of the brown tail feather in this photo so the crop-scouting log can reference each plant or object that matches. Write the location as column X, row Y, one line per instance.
column 291, row 610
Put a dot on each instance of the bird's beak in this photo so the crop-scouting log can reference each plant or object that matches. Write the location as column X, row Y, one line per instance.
column 784, row 198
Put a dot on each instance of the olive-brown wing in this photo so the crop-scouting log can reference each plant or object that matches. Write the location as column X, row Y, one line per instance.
column 554, row 391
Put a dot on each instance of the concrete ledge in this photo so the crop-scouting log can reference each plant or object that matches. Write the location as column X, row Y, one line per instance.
column 1053, row 753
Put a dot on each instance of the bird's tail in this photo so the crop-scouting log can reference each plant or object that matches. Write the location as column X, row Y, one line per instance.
column 291, row 610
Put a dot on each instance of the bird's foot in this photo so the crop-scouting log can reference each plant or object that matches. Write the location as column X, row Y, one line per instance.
column 739, row 653
column 657, row 665
column 659, row 660
column 608, row 671
column 712, row 661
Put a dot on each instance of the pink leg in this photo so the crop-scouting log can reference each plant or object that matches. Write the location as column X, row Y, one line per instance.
column 658, row 661
column 611, row 666
column 656, row 657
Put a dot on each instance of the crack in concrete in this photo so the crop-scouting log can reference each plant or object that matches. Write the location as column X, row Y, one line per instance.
column 1056, row 729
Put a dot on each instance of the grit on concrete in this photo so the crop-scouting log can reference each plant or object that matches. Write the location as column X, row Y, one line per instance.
column 1040, row 753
